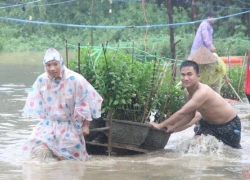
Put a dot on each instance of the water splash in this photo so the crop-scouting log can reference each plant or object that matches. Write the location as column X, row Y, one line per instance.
column 203, row 145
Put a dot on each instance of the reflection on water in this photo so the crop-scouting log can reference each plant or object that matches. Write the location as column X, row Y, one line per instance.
column 183, row 157
column 60, row 170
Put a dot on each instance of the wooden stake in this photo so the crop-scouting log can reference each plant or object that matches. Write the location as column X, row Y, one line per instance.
column 235, row 92
column 110, row 132
column 67, row 60
column 79, row 58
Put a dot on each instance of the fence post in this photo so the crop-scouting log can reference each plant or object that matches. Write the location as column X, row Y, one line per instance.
column 79, row 58
column 67, row 60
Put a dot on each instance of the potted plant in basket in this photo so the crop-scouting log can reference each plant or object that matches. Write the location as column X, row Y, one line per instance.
column 131, row 89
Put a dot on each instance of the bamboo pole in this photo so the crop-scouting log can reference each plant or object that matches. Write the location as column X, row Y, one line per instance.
column 92, row 19
column 235, row 92
column 194, row 14
column 67, row 59
column 110, row 132
column 99, row 129
column 104, row 53
column 151, row 89
column 146, row 20
column 79, row 58
column 158, row 85
column 170, row 84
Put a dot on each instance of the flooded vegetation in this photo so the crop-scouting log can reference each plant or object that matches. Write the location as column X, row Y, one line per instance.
column 183, row 156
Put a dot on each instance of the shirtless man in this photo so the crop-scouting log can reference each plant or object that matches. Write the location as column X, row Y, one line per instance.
column 219, row 118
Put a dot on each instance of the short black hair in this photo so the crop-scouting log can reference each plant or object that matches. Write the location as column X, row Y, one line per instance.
column 210, row 13
column 193, row 64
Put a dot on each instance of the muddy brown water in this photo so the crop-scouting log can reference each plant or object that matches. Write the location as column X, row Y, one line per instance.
column 182, row 158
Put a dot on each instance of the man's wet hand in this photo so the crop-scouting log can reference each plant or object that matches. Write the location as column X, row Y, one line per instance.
column 155, row 125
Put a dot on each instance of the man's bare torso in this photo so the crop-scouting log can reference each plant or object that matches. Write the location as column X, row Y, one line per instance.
column 214, row 109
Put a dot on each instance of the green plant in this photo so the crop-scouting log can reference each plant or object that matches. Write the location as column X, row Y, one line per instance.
column 237, row 77
column 130, row 87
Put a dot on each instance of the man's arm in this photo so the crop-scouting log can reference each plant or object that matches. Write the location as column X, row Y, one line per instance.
column 189, row 124
column 186, row 113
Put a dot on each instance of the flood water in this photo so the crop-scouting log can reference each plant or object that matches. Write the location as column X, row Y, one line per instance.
column 182, row 158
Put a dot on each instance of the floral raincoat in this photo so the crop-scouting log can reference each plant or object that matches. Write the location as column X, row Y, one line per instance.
column 62, row 106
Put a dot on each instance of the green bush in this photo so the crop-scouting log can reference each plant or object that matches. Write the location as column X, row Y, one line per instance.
column 131, row 88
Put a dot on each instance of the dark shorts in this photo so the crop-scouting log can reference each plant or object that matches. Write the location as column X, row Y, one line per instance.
column 229, row 133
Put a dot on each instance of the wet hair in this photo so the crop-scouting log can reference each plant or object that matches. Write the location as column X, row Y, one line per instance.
column 210, row 13
column 188, row 63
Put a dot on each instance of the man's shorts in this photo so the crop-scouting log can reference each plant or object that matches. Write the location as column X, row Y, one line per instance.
column 229, row 133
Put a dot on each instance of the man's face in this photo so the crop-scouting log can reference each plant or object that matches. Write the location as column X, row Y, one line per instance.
column 189, row 77
column 53, row 68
